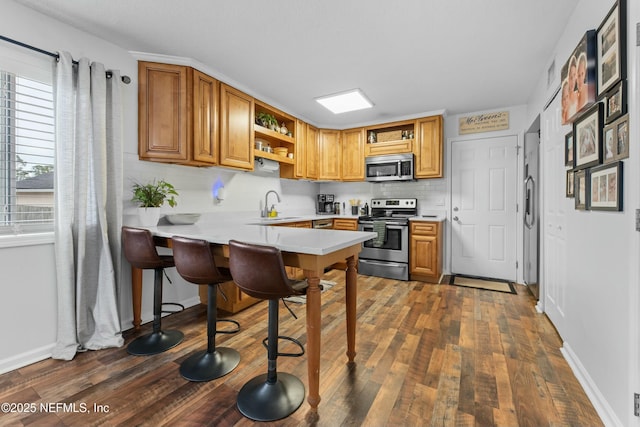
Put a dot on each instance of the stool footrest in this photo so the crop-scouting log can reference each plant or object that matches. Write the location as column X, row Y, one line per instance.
column 232, row 331
column 293, row 340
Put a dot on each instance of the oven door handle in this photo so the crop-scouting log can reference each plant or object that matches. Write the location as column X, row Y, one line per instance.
column 390, row 226
column 384, row 264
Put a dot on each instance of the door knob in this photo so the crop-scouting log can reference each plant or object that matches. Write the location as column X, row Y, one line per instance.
column 455, row 218
column 455, row 209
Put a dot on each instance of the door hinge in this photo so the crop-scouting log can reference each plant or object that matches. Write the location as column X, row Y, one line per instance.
column 636, row 404
column 516, row 265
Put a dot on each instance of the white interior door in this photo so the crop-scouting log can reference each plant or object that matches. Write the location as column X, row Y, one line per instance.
column 483, row 199
column 553, row 271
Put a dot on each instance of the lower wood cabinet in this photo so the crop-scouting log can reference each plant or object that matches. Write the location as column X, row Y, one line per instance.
column 349, row 224
column 425, row 252
column 236, row 299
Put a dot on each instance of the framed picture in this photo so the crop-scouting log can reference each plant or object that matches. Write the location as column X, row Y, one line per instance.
column 616, row 140
column 615, row 103
column 587, row 133
column 606, row 187
column 622, row 137
column 611, row 49
column 568, row 149
column 570, row 184
column 581, row 189
column 578, row 77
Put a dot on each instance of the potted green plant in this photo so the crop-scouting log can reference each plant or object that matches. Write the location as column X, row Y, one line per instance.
column 150, row 198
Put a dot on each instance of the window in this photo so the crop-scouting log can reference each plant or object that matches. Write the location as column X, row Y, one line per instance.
column 27, row 147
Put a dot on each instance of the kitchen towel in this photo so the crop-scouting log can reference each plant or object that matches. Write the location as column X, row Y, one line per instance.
column 379, row 227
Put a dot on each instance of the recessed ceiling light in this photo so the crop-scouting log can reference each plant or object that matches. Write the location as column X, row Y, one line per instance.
column 343, row 102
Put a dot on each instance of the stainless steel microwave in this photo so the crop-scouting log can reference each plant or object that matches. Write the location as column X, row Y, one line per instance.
column 391, row 167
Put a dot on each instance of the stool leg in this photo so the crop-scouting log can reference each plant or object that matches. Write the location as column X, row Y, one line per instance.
column 272, row 342
column 271, row 396
column 158, row 340
column 213, row 362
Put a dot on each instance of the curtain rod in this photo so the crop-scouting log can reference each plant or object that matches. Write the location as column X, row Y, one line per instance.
column 125, row 79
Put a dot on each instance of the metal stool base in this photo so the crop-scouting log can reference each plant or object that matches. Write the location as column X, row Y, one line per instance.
column 154, row 343
column 205, row 366
column 261, row 401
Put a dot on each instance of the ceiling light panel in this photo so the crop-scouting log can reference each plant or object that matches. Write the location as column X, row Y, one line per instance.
column 343, row 102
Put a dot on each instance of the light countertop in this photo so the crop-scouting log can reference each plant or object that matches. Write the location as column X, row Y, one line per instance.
column 256, row 231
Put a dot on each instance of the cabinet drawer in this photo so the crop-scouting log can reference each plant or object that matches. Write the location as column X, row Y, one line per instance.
column 345, row 224
column 426, row 228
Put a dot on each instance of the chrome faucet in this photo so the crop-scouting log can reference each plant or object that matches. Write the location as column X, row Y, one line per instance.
column 265, row 212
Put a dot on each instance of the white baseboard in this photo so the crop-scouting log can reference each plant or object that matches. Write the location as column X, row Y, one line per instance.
column 27, row 358
column 598, row 401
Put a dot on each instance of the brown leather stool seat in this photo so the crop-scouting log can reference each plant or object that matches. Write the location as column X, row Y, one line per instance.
column 140, row 250
column 259, row 272
column 195, row 263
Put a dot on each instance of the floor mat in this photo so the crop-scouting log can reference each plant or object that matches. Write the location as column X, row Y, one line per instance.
column 301, row 299
column 497, row 285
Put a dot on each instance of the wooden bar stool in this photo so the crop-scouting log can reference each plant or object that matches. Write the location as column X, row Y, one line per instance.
column 259, row 272
column 140, row 251
column 195, row 263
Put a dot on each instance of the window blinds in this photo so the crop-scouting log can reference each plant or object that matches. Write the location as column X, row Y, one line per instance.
column 27, row 144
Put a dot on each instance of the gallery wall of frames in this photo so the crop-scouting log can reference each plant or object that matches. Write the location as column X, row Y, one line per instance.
column 594, row 101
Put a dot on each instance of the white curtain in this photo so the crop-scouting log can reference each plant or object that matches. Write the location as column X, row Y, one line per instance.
column 88, row 206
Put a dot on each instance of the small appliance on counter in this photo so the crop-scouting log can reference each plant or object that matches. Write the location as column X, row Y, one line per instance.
column 325, row 205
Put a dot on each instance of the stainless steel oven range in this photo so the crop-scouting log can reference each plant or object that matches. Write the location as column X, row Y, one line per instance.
column 387, row 255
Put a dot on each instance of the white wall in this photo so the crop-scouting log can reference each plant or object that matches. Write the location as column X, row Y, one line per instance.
column 602, row 326
column 243, row 193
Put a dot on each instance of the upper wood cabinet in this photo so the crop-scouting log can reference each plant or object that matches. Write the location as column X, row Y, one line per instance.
column 236, row 128
column 205, row 118
column 177, row 114
column 300, row 170
column 428, row 148
column 330, row 153
column 353, row 154
column 312, row 157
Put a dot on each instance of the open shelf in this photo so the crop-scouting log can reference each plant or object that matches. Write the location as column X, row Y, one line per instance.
column 270, row 135
column 274, row 157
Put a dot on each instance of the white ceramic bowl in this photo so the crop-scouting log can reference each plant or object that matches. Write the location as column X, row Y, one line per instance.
column 183, row 218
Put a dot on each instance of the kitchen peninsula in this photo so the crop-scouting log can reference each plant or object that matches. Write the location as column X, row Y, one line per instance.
column 309, row 249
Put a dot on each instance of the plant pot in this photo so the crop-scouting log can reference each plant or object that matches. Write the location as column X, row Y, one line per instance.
column 148, row 217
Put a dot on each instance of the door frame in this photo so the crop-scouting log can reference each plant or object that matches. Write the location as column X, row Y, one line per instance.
column 519, row 194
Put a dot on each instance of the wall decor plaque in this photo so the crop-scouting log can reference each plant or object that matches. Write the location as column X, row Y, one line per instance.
column 487, row 122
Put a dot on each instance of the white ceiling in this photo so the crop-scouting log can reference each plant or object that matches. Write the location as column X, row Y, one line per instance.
column 408, row 56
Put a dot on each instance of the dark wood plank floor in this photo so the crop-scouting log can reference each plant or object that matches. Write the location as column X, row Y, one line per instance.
column 432, row 355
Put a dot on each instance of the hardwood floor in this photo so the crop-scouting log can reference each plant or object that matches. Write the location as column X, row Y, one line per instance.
column 432, row 355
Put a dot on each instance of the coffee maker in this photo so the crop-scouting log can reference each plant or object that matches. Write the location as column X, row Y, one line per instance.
column 325, row 204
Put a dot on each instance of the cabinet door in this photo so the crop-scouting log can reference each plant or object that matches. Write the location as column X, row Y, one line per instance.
column 205, row 118
column 163, row 111
column 330, row 154
column 236, row 128
column 301, row 149
column 428, row 148
column 313, row 170
column 424, row 255
column 353, row 155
